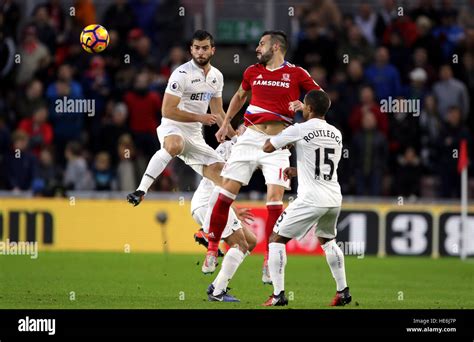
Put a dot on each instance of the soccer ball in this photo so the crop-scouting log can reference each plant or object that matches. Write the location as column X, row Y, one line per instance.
column 94, row 38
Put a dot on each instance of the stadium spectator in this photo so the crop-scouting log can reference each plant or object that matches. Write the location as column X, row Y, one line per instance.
column 399, row 54
column 448, row 143
column 144, row 11
column 20, row 164
column 408, row 174
column 385, row 16
column 317, row 47
column 120, row 18
column 466, row 15
column 430, row 126
column 420, row 61
column 39, row 131
column 355, row 46
column 351, row 86
column 450, row 92
column 426, row 41
column 369, row 155
column 46, row 33
column 383, row 76
column 67, row 126
column 144, row 107
column 366, row 19
column 34, row 56
column 175, row 58
column 448, row 35
column 112, row 129
column 33, row 99
column 405, row 27
column 368, row 104
column 56, row 14
column 77, row 175
column 329, row 14
column 48, row 181
column 10, row 17
column 417, row 89
column 104, row 175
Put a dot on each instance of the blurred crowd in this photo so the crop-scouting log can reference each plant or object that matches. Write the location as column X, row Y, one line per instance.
column 378, row 51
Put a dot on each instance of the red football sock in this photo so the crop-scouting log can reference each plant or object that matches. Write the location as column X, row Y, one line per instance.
column 219, row 216
column 274, row 211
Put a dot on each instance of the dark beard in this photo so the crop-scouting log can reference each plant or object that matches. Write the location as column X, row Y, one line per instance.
column 266, row 57
column 206, row 61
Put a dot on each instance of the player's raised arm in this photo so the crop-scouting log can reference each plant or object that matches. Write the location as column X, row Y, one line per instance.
column 217, row 108
column 171, row 111
column 237, row 102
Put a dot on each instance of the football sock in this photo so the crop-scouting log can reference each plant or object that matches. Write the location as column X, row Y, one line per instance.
column 212, row 201
column 335, row 259
column 276, row 266
column 232, row 260
column 155, row 167
column 218, row 220
column 274, row 210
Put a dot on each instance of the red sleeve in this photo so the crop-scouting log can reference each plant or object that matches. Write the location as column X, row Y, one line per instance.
column 306, row 81
column 246, row 79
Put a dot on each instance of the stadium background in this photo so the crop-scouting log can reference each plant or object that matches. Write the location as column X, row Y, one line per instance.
column 400, row 178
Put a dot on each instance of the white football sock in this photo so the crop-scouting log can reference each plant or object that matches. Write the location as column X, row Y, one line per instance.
column 232, row 260
column 155, row 167
column 276, row 266
column 335, row 259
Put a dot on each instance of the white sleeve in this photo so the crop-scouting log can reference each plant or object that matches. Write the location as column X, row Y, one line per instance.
column 176, row 83
column 287, row 136
column 220, row 85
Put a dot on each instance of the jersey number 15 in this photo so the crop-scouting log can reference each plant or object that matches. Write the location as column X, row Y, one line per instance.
column 327, row 160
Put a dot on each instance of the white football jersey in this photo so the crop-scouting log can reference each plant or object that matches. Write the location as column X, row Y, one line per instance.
column 206, row 186
column 318, row 151
column 195, row 90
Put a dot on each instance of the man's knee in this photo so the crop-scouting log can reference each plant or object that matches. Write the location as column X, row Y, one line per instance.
column 275, row 193
column 174, row 145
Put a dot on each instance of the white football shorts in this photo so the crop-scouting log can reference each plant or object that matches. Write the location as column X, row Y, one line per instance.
column 247, row 155
column 196, row 152
column 299, row 217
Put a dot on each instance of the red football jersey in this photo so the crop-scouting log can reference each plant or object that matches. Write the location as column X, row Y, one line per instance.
column 273, row 90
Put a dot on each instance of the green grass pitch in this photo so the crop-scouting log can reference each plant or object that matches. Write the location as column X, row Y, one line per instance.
column 156, row 281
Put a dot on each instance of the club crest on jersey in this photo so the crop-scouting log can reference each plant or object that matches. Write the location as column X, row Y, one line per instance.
column 285, row 77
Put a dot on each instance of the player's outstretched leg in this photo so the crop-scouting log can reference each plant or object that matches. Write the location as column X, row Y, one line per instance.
column 173, row 145
column 242, row 242
column 335, row 259
column 276, row 267
column 217, row 222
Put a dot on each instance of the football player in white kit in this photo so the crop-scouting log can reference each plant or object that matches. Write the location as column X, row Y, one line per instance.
column 318, row 149
column 234, row 232
column 192, row 88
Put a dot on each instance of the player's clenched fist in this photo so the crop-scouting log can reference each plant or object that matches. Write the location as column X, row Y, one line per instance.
column 209, row 119
column 289, row 173
column 222, row 133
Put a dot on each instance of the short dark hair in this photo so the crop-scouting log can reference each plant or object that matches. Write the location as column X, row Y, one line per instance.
column 202, row 35
column 277, row 36
column 319, row 102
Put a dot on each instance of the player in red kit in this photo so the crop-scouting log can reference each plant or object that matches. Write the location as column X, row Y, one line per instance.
column 275, row 86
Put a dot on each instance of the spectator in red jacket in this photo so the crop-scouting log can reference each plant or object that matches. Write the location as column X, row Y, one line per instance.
column 368, row 104
column 144, row 107
column 39, row 131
